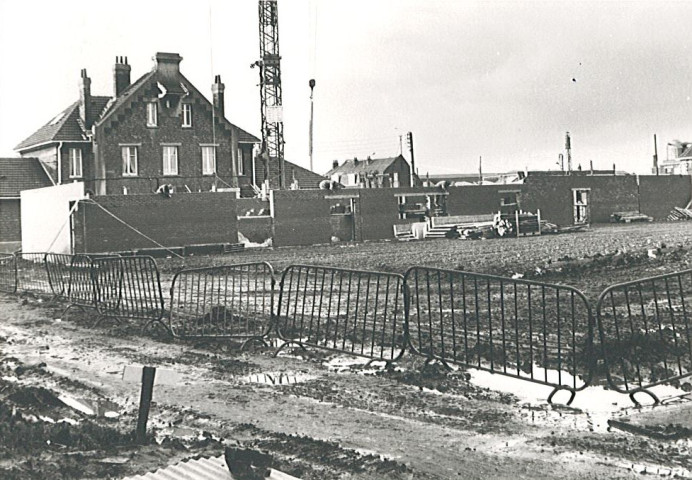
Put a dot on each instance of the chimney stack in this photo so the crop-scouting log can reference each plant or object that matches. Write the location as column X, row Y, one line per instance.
column 217, row 90
column 121, row 76
column 335, row 163
column 168, row 64
column 85, row 99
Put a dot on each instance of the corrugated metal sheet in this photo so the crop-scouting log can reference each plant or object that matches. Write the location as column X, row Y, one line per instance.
column 202, row 469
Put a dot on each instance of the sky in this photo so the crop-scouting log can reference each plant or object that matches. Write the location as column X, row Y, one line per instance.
column 501, row 81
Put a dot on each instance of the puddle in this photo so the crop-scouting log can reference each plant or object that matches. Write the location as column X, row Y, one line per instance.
column 93, row 408
column 277, row 378
column 590, row 410
column 343, row 364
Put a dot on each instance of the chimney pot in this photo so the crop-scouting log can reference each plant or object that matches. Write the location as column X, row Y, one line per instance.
column 85, row 98
column 121, row 75
column 217, row 91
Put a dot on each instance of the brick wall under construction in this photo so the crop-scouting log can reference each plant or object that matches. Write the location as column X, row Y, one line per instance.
column 553, row 195
column 301, row 217
column 184, row 219
column 658, row 195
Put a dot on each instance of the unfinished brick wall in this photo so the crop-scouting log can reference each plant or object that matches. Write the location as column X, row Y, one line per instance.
column 184, row 219
column 301, row 217
column 256, row 229
column 552, row 194
column 478, row 199
column 658, row 195
column 378, row 211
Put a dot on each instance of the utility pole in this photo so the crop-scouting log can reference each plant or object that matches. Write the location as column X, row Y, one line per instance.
column 568, row 147
column 311, row 83
column 655, row 155
column 409, row 140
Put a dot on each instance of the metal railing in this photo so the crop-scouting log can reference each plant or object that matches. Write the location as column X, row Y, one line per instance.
column 539, row 332
column 356, row 312
column 645, row 332
column 534, row 331
column 128, row 288
column 58, row 271
column 8, row 273
column 32, row 276
column 231, row 301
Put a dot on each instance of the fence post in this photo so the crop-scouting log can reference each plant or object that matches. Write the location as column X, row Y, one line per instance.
column 148, row 375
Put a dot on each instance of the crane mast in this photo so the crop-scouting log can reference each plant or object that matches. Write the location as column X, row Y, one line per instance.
column 270, row 92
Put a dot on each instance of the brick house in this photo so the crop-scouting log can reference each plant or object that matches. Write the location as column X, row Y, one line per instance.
column 17, row 174
column 372, row 173
column 159, row 130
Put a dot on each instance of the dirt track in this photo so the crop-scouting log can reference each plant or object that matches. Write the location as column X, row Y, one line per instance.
column 403, row 424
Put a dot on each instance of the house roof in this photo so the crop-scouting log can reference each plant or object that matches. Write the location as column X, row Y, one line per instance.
column 66, row 126
column 17, row 174
column 306, row 178
column 374, row 165
column 687, row 152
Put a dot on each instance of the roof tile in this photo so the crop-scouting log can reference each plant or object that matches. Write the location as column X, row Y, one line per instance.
column 17, row 174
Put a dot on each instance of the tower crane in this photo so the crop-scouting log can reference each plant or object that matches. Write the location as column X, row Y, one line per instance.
column 272, row 150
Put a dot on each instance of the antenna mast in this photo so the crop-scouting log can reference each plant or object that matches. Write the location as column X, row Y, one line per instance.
column 270, row 90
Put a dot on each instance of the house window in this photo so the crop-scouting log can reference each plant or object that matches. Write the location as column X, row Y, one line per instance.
column 129, row 154
column 152, row 114
column 208, row 160
column 187, row 115
column 170, row 160
column 395, row 180
column 239, row 162
column 75, row 163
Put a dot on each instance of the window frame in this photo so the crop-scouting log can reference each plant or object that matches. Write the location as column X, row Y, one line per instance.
column 76, row 160
column 207, row 148
column 239, row 164
column 126, row 157
column 166, row 160
column 152, row 114
column 187, row 115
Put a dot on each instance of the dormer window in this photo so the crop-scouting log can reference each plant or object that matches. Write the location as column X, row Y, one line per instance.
column 152, row 114
column 187, row 115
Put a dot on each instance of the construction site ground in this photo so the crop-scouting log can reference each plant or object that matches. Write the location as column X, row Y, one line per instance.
column 67, row 412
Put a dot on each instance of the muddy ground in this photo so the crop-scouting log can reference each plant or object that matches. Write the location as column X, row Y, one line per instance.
column 66, row 412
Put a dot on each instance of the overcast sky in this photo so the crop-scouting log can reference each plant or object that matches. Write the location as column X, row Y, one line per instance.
column 501, row 80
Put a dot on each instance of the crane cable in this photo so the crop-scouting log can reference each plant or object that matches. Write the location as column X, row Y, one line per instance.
column 213, row 113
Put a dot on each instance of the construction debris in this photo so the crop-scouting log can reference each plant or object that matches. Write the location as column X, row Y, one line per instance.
column 476, row 226
column 680, row 214
column 628, row 217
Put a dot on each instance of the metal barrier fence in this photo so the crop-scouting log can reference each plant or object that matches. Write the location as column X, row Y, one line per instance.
column 58, row 271
column 129, row 288
column 32, row 276
column 540, row 332
column 356, row 312
column 645, row 332
column 8, row 273
column 232, row 301
column 534, row 331
column 70, row 278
